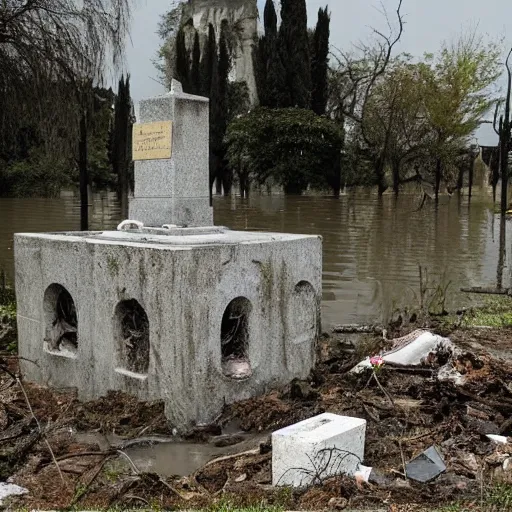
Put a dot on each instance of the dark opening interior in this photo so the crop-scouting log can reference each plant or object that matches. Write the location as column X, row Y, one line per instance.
column 235, row 339
column 134, row 327
column 61, row 320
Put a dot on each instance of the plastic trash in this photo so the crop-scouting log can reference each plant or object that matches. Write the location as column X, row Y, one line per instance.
column 497, row 439
column 426, row 466
column 363, row 473
column 411, row 353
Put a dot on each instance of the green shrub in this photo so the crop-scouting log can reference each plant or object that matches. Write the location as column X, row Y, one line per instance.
column 293, row 147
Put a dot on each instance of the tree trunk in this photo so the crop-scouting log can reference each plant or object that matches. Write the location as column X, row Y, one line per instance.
column 460, row 180
column 505, row 142
column 84, row 178
column 502, row 252
column 471, row 174
column 227, row 178
column 504, row 183
column 379, row 175
column 496, row 174
column 213, row 172
column 439, row 168
column 218, row 184
column 396, row 178
column 336, row 181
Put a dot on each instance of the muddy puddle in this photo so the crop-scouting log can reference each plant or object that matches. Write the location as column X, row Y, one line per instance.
column 166, row 456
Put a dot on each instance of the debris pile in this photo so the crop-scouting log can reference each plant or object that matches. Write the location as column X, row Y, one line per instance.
column 438, row 425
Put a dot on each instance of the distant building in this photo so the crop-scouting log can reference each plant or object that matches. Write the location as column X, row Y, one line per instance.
column 242, row 19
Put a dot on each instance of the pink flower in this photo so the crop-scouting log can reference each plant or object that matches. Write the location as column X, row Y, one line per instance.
column 376, row 361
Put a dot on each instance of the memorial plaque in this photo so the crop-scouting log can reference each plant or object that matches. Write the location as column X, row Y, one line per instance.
column 152, row 141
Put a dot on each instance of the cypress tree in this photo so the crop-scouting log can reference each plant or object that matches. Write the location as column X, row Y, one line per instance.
column 277, row 91
column 182, row 61
column 215, row 115
column 224, row 173
column 270, row 72
column 261, row 51
column 319, row 62
column 260, row 59
column 223, row 74
column 270, row 19
column 295, row 54
column 195, row 72
column 208, row 63
column 120, row 152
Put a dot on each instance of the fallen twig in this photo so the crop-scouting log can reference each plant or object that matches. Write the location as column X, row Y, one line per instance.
column 410, row 370
column 487, row 291
column 85, row 486
column 419, row 436
column 403, row 457
column 370, row 414
column 125, row 455
column 220, row 491
column 388, row 396
column 18, row 381
column 133, row 497
column 85, row 454
column 161, row 480
column 357, row 329
column 503, row 403
column 255, row 451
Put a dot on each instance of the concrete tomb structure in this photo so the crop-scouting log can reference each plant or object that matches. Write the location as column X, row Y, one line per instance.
column 168, row 306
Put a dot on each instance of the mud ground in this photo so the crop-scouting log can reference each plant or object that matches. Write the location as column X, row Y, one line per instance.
column 38, row 448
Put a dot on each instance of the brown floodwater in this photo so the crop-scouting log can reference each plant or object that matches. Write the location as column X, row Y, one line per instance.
column 373, row 247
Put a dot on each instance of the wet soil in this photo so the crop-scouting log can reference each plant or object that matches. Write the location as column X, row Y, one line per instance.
column 424, row 411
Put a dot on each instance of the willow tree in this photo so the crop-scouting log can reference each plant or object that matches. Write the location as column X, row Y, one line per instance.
column 52, row 54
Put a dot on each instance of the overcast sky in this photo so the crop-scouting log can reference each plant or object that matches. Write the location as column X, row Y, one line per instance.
column 428, row 24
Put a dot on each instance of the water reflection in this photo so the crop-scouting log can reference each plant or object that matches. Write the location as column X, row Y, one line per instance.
column 37, row 215
column 373, row 247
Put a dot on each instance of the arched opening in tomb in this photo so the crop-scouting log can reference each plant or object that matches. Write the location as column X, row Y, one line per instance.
column 133, row 336
column 304, row 313
column 235, row 337
column 61, row 321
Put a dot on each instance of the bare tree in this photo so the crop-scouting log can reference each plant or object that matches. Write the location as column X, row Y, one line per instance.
column 354, row 77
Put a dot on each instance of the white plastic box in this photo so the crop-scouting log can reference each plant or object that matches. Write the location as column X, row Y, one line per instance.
column 318, row 448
